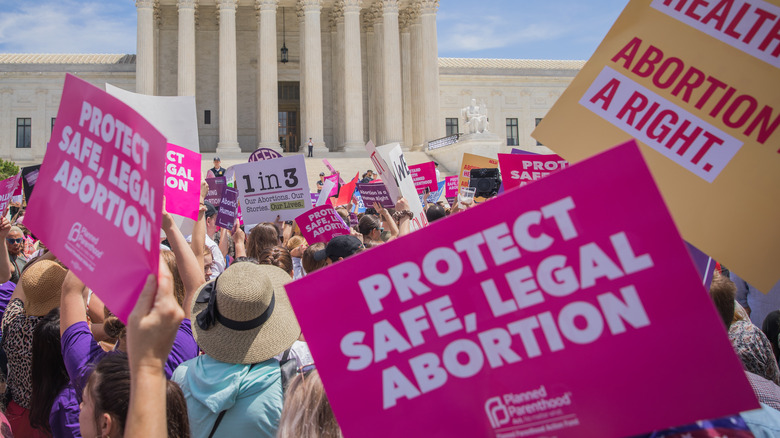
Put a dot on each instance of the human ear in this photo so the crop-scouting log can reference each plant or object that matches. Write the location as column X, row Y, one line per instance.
column 106, row 424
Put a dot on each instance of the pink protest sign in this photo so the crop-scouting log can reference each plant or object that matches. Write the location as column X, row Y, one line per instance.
column 320, row 224
column 102, row 179
column 182, row 181
column 544, row 312
column 424, row 175
column 451, row 186
column 7, row 189
column 520, row 169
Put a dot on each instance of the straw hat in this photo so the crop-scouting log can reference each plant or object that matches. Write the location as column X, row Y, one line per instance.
column 42, row 285
column 244, row 315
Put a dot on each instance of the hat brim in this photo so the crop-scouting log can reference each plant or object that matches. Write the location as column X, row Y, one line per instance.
column 255, row 345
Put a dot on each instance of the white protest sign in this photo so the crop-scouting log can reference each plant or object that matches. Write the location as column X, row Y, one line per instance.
column 327, row 187
column 273, row 187
column 390, row 163
column 175, row 117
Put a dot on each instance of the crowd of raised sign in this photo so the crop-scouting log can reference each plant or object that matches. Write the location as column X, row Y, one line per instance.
column 213, row 347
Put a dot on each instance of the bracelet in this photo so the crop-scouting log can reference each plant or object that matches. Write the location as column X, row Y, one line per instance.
column 398, row 215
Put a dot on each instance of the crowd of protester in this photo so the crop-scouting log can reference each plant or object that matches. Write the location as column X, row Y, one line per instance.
column 213, row 348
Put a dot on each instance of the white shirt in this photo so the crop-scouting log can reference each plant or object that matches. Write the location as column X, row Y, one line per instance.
column 216, row 254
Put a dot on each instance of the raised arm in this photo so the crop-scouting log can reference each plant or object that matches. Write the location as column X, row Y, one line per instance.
column 151, row 330
column 198, row 240
column 6, row 267
column 71, row 302
column 405, row 222
column 388, row 219
column 190, row 271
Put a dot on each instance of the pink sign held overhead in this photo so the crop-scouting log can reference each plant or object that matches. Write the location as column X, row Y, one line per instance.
column 424, row 176
column 451, row 186
column 544, row 312
column 182, row 181
column 334, row 191
column 8, row 188
column 521, row 169
column 320, row 224
column 102, row 179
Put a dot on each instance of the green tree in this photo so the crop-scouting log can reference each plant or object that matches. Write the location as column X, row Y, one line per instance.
column 8, row 169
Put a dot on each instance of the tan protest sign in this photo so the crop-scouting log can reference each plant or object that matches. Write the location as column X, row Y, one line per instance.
column 695, row 82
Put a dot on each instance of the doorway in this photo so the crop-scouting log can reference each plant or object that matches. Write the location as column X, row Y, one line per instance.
column 289, row 116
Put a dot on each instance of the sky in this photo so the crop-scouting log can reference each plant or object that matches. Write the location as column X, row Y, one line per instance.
column 518, row 29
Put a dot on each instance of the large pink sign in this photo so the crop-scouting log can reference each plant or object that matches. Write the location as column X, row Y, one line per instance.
column 182, row 181
column 8, row 189
column 424, row 176
column 544, row 312
column 450, row 186
column 99, row 194
column 320, row 224
column 520, row 169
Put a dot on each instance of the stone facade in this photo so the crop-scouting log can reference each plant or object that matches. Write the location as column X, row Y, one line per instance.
column 394, row 107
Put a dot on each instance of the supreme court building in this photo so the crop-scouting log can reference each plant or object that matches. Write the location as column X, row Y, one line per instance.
column 274, row 73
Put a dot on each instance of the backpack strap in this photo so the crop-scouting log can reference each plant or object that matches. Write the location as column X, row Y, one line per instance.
column 216, row 424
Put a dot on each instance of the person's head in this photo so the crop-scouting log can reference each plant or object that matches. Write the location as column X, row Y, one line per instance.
column 370, row 173
column 435, row 212
column 48, row 371
column 344, row 215
column 208, row 263
column 277, row 256
column 771, row 328
column 42, row 284
column 262, row 236
column 211, row 219
column 15, row 241
column 307, row 411
column 723, row 292
column 370, row 227
column 294, row 242
column 244, row 315
column 322, row 176
column 106, row 398
column 217, row 163
column 178, row 285
column 339, row 248
column 308, row 262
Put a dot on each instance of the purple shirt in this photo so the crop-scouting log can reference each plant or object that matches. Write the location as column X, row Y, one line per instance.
column 81, row 352
column 64, row 416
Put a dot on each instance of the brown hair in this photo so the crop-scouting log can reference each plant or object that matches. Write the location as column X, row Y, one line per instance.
column 294, row 242
column 109, row 388
column 344, row 214
column 368, row 223
column 262, row 236
column 307, row 261
column 307, row 412
column 723, row 292
column 178, row 284
column 277, row 256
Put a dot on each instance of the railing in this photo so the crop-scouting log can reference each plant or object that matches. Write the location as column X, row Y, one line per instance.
column 444, row 141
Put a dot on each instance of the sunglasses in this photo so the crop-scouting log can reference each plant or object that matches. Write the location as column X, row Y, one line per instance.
column 12, row 241
column 306, row 369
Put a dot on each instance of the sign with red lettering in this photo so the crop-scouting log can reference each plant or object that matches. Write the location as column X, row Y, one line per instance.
column 671, row 73
column 102, row 179
column 518, row 169
column 504, row 299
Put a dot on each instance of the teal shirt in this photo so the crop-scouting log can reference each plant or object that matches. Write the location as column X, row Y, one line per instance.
column 251, row 395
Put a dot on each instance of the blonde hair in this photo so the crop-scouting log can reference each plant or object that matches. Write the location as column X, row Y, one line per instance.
column 307, row 412
column 294, row 242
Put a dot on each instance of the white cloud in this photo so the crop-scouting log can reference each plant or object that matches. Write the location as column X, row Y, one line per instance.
column 493, row 32
column 68, row 26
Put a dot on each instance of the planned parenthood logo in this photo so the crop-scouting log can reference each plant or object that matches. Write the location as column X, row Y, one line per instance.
column 530, row 413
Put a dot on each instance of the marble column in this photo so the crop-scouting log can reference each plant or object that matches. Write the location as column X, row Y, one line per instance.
column 268, row 91
column 337, row 75
column 406, row 79
column 313, row 73
column 371, row 79
column 186, row 74
column 378, row 76
column 418, row 102
column 144, row 60
column 302, row 79
column 228, row 94
column 434, row 123
column 391, row 64
column 353, row 77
